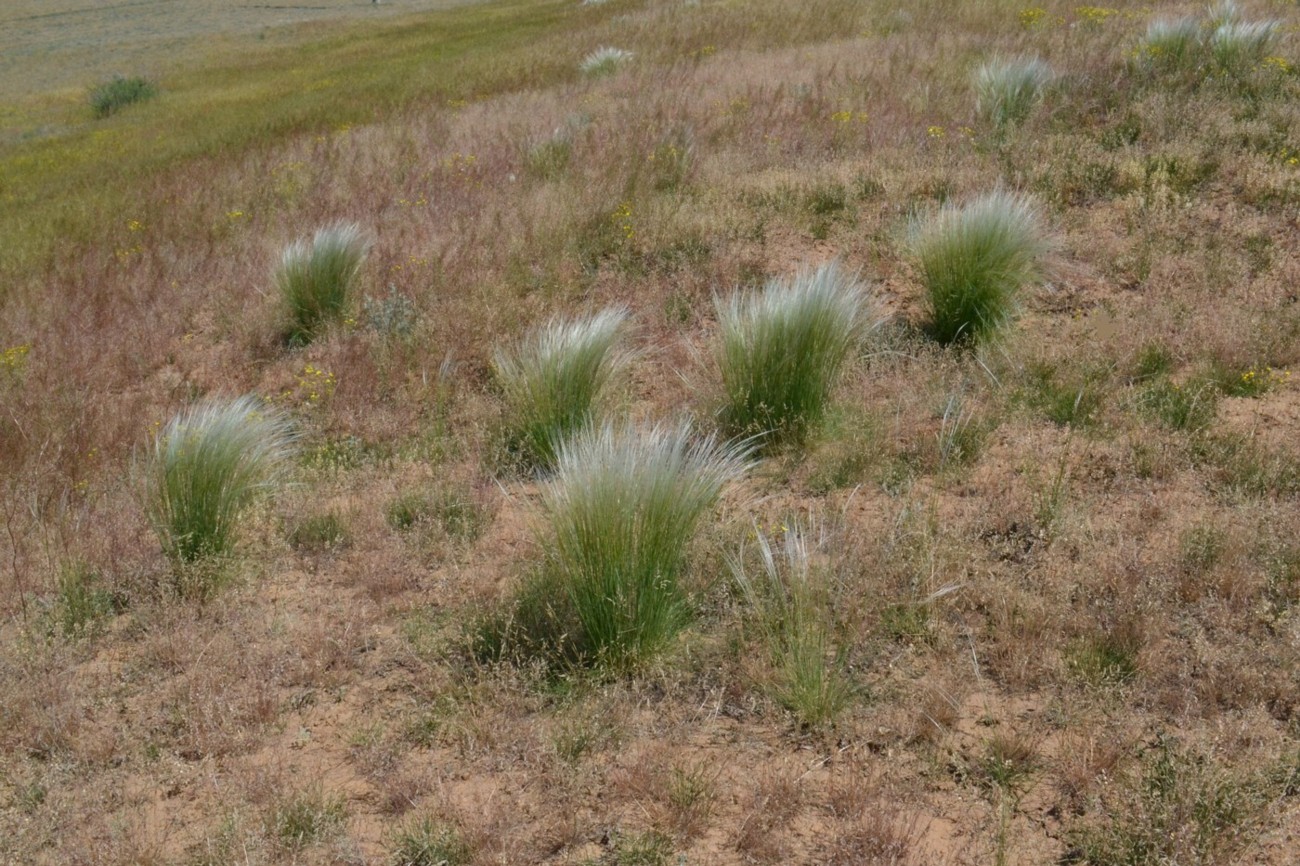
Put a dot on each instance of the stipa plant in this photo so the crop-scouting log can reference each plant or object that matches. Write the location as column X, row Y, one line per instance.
column 1171, row 43
column 604, row 61
column 780, row 351
column 975, row 259
column 554, row 381
column 1238, row 46
column 622, row 507
column 208, row 464
column 118, row 92
column 1006, row 90
column 318, row 280
column 791, row 604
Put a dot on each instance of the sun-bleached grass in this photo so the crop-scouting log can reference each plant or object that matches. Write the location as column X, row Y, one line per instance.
column 975, row 259
column 780, row 351
column 624, row 504
column 208, row 465
column 556, row 380
column 1007, row 89
column 605, row 60
column 317, row 281
column 788, row 600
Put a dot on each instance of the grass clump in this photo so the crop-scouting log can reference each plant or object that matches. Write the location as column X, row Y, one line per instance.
column 555, row 380
column 83, row 601
column 317, row 280
column 1237, row 46
column 429, row 843
column 791, row 603
column 208, row 464
column 780, row 350
column 622, row 507
column 1006, row 90
column 118, row 92
column 975, row 259
column 604, row 61
column 307, row 817
column 1171, row 43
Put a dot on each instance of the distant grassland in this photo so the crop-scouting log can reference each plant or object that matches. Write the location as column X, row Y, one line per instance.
column 58, row 188
column 50, row 45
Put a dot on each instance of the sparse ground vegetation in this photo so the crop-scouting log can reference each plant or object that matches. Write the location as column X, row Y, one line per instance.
column 1019, row 585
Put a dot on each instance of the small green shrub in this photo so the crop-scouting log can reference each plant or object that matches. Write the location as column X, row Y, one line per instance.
column 427, row 842
column 1007, row 90
column 119, row 92
column 791, row 607
column 554, row 382
column 604, row 61
column 318, row 280
column 454, row 512
column 780, row 351
column 208, row 464
column 622, row 507
column 975, row 259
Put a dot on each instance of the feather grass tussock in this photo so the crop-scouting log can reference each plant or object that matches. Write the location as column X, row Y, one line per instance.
column 208, row 465
column 622, row 508
column 790, row 603
column 780, row 351
column 1006, row 90
column 555, row 380
column 974, row 261
column 317, row 281
column 605, row 60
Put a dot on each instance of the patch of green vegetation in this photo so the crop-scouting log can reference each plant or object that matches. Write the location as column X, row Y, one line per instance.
column 1179, row 807
column 319, row 533
column 1071, row 398
column 119, row 92
column 307, row 817
column 426, row 842
column 83, row 602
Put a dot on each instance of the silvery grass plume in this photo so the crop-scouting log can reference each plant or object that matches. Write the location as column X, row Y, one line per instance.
column 1006, row 90
column 317, row 281
column 622, row 507
column 975, row 259
column 780, row 350
column 1240, row 45
column 1171, row 43
column 789, row 603
column 208, row 465
column 555, row 380
column 1223, row 12
column 604, row 61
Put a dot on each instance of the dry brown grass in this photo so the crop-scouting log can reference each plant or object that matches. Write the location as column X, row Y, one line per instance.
column 1034, row 606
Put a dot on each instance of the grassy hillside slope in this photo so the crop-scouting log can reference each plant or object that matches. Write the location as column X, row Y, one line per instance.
column 1018, row 590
